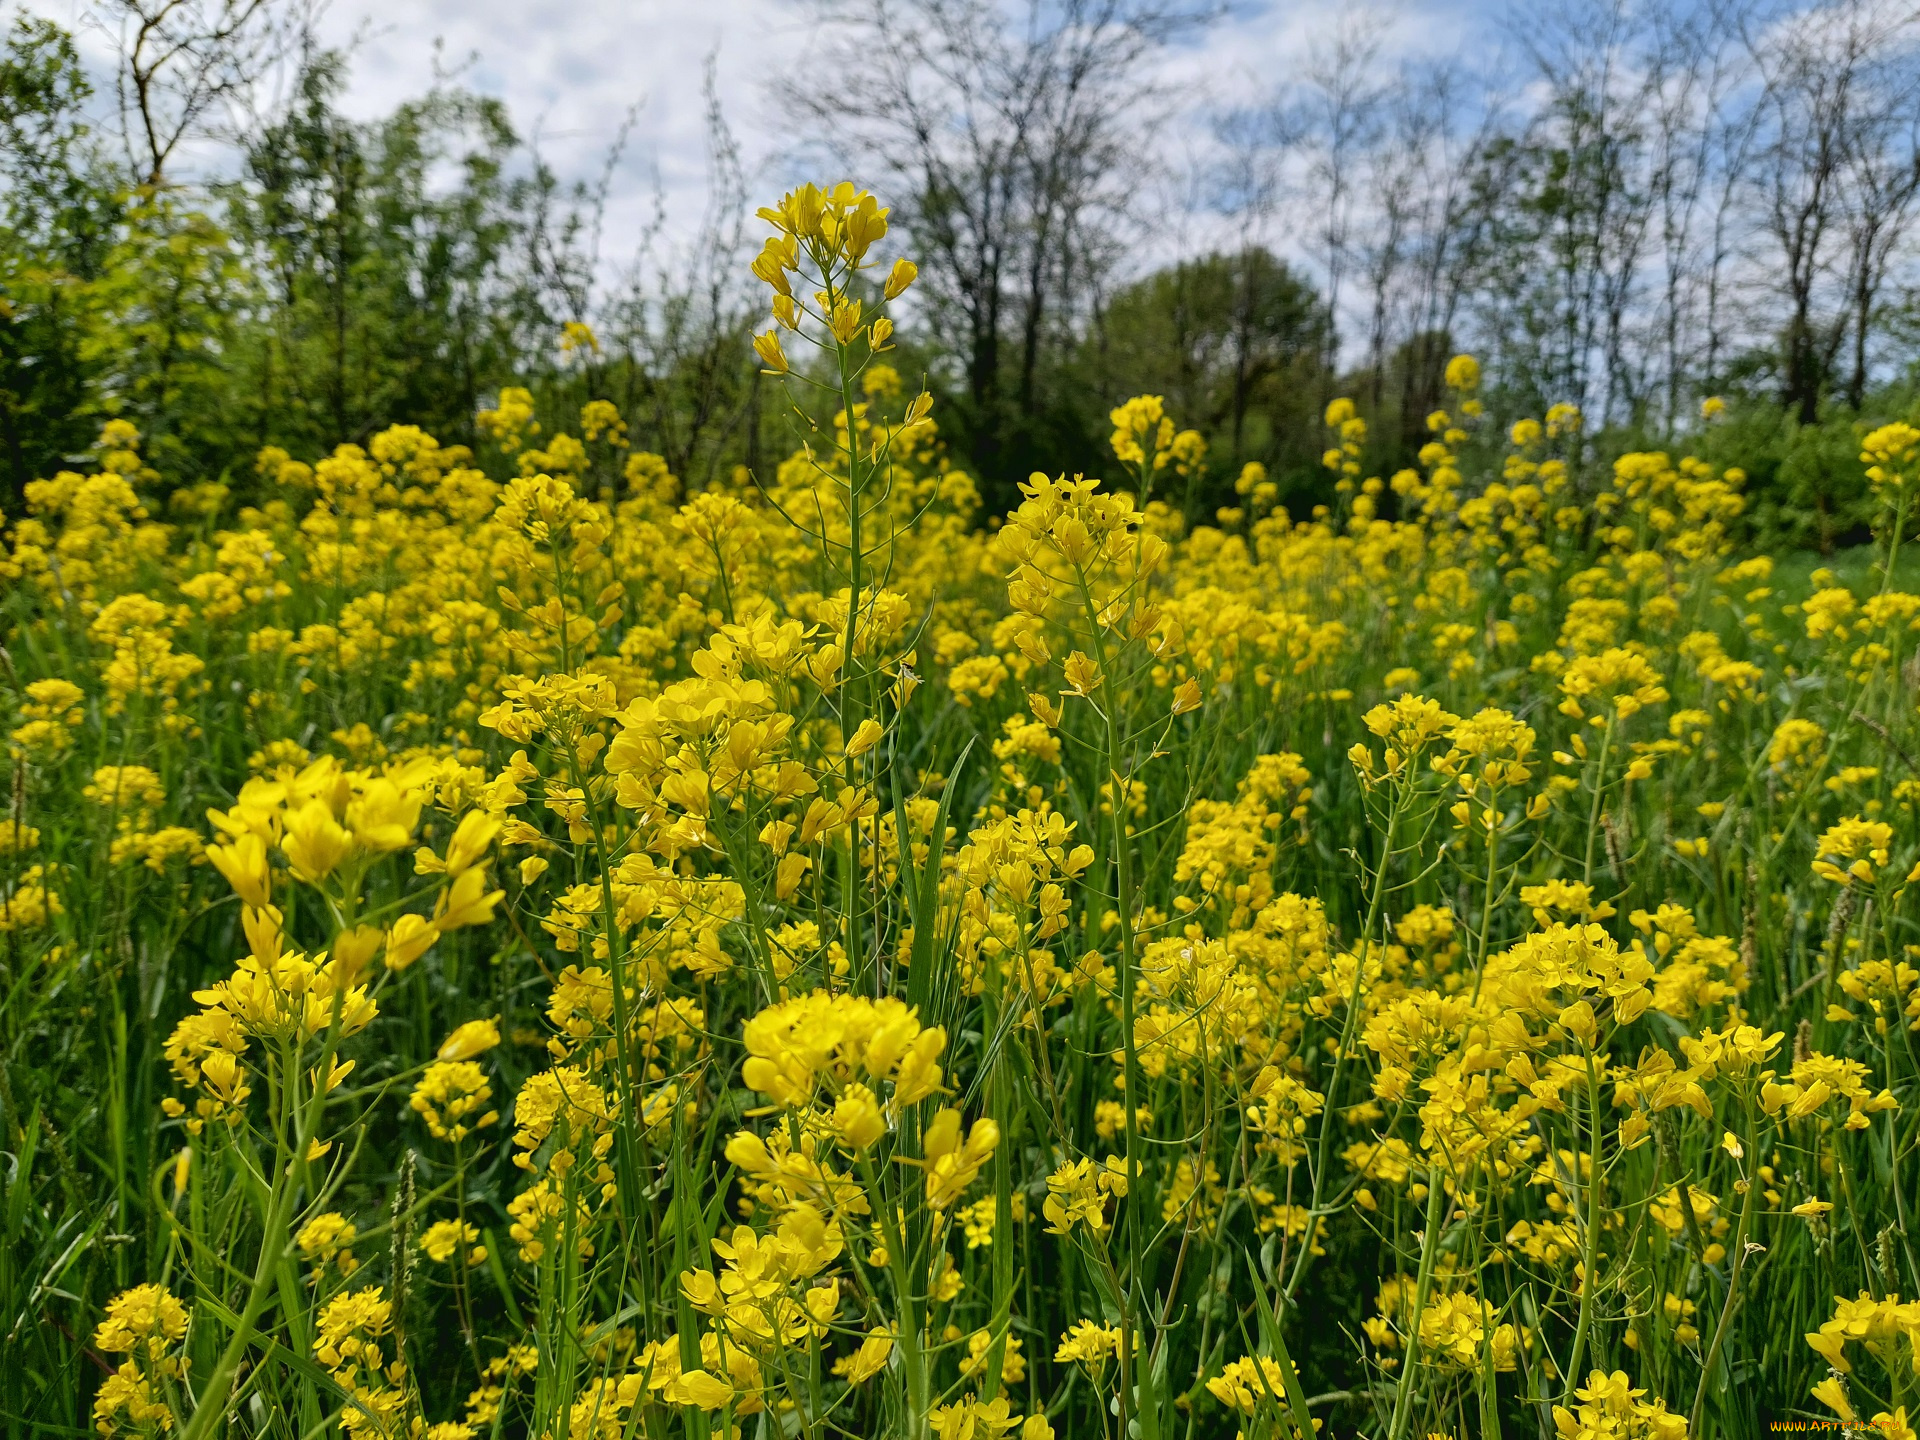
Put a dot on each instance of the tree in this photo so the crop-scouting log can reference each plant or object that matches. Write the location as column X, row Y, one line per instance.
column 1339, row 113
column 1235, row 342
column 1880, row 179
column 57, row 218
column 181, row 60
column 1010, row 143
column 392, row 294
column 1837, row 95
column 681, row 326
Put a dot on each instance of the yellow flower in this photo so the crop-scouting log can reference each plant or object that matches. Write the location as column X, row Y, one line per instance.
column 1463, row 373
column 1831, row 1393
column 858, row 1117
column 315, row 842
column 465, row 902
column 382, row 816
column 952, row 1162
column 476, row 1037
column 349, row 1332
column 145, row 1320
column 445, row 1238
column 866, row 1362
column 410, row 938
column 1250, row 1384
column 1617, row 679
column 451, row 1096
column 773, row 358
column 865, row 737
column 1611, row 1405
column 797, row 1044
column 903, row 274
column 1077, row 1194
column 1013, row 1365
column 126, row 1392
column 1088, row 1343
column 328, row 1239
column 699, row 1389
column 1142, row 433
column 837, row 225
column 124, row 787
column 1081, row 675
column 1889, row 454
column 476, row 831
column 1864, row 843
column 243, row 861
column 973, row 1419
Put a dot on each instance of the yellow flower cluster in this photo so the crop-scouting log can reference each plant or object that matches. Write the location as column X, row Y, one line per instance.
column 940, row 977
column 147, row 1325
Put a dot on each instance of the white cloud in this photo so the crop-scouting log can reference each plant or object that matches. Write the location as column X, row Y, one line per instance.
column 570, row 71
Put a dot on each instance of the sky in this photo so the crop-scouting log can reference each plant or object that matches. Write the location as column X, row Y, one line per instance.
column 570, row 72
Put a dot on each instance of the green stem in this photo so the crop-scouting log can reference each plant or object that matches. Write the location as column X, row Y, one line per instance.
column 1322, row 1152
column 1599, row 791
column 1893, row 540
column 1429, row 1250
column 1739, row 1258
column 1590, row 1238
column 1130, row 1219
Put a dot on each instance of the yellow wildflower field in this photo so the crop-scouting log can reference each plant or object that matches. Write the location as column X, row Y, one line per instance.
column 558, row 955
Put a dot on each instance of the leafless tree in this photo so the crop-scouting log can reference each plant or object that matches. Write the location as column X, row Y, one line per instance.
column 1416, row 182
column 1589, row 135
column 684, row 315
column 1250, row 184
column 1730, row 148
column 1879, row 180
column 1819, row 71
column 1633, row 203
column 1011, row 142
column 1458, row 188
column 1340, row 111
column 183, row 61
column 1700, row 116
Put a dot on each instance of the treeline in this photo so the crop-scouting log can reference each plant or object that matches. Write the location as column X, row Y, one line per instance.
column 1641, row 207
column 1632, row 206
column 344, row 277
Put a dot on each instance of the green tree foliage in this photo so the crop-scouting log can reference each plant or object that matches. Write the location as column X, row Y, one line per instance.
column 384, row 294
column 56, row 226
column 351, row 273
column 1237, row 344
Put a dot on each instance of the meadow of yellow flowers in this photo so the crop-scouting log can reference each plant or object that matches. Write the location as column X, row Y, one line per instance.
column 544, row 954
